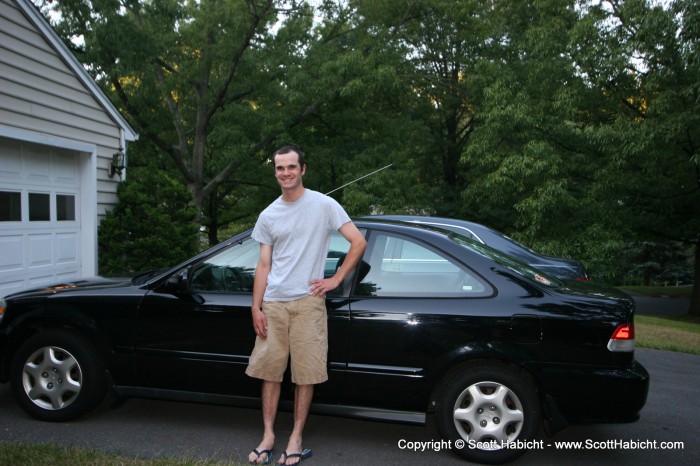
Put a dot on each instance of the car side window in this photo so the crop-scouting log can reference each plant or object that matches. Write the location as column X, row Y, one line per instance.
column 337, row 250
column 233, row 269
column 230, row 270
column 401, row 267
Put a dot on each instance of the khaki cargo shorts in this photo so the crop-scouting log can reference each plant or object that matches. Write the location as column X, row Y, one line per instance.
column 298, row 329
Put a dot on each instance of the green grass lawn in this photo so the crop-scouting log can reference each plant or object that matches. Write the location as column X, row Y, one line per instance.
column 680, row 334
column 676, row 333
column 14, row 453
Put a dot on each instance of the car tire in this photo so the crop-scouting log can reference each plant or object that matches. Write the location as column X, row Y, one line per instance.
column 57, row 375
column 482, row 407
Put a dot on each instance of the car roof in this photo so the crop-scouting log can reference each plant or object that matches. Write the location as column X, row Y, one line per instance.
column 483, row 234
column 476, row 229
column 396, row 224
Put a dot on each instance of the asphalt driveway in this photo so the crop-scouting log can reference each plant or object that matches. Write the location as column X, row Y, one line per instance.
column 148, row 428
column 661, row 306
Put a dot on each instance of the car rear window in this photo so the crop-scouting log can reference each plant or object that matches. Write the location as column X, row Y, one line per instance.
column 505, row 260
column 399, row 266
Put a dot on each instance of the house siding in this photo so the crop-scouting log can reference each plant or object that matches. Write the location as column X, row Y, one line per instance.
column 58, row 132
column 39, row 92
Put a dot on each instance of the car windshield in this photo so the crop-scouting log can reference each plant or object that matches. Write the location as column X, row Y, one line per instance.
column 507, row 261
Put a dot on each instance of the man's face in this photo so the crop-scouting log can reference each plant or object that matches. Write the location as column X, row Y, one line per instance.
column 287, row 170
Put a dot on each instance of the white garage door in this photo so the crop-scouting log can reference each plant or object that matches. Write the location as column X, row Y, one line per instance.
column 39, row 216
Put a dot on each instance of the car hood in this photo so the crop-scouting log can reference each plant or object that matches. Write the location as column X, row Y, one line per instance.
column 56, row 288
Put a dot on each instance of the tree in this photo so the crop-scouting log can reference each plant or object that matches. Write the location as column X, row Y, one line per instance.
column 589, row 126
column 572, row 124
column 367, row 119
column 148, row 229
column 652, row 166
column 527, row 156
column 206, row 82
column 657, row 263
column 440, row 44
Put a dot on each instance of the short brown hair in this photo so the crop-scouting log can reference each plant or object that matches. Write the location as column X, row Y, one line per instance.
column 290, row 148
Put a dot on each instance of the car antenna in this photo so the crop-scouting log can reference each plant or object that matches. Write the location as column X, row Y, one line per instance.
column 358, row 179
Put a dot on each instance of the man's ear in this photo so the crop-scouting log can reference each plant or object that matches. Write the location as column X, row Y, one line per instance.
column 303, row 170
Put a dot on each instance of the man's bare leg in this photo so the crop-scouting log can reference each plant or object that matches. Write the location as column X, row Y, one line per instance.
column 270, row 401
column 303, row 394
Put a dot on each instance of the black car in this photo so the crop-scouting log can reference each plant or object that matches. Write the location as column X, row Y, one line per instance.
column 430, row 322
column 565, row 269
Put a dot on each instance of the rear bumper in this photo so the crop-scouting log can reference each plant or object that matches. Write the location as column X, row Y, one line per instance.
column 595, row 395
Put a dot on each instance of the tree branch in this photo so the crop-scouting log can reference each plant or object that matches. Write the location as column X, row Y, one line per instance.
column 236, row 58
column 266, row 141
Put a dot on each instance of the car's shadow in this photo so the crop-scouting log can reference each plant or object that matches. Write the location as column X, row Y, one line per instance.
column 151, row 428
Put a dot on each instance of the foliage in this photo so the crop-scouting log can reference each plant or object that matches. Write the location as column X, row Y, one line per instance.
column 649, row 177
column 570, row 125
column 206, row 83
column 437, row 46
column 527, row 152
column 149, row 228
column 364, row 120
column 657, row 263
column 590, row 129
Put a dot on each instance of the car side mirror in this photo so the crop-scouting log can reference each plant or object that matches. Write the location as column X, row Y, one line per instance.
column 177, row 282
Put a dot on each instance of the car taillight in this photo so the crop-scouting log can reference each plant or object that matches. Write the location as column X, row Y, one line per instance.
column 622, row 339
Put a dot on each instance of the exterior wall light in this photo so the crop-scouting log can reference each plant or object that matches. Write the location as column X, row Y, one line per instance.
column 118, row 163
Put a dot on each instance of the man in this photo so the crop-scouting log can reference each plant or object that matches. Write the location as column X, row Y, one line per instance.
column 289, row 311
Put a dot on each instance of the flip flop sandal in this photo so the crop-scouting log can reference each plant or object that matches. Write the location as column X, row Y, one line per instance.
column 268, row 458
column 305, row 454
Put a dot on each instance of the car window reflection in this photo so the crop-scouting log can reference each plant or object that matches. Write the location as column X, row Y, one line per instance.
column 400, row 267
column 231, row 270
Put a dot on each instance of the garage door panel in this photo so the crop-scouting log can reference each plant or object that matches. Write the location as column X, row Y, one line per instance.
column 38, row 167
column 65, row 170
column 67, row 248
column 12, row 257
column 66, row 277
column 39, row 250
column 41, row 230
column 11, row 166
column 7, row 287
column 41, row 280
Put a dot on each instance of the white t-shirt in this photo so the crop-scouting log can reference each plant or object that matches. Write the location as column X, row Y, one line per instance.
column 299, row 233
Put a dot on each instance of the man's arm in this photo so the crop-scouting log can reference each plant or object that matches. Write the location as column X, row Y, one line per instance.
column 262, row 270
column 357, row 248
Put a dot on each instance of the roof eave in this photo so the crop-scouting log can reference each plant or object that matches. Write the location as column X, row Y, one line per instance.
column 34, row 15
